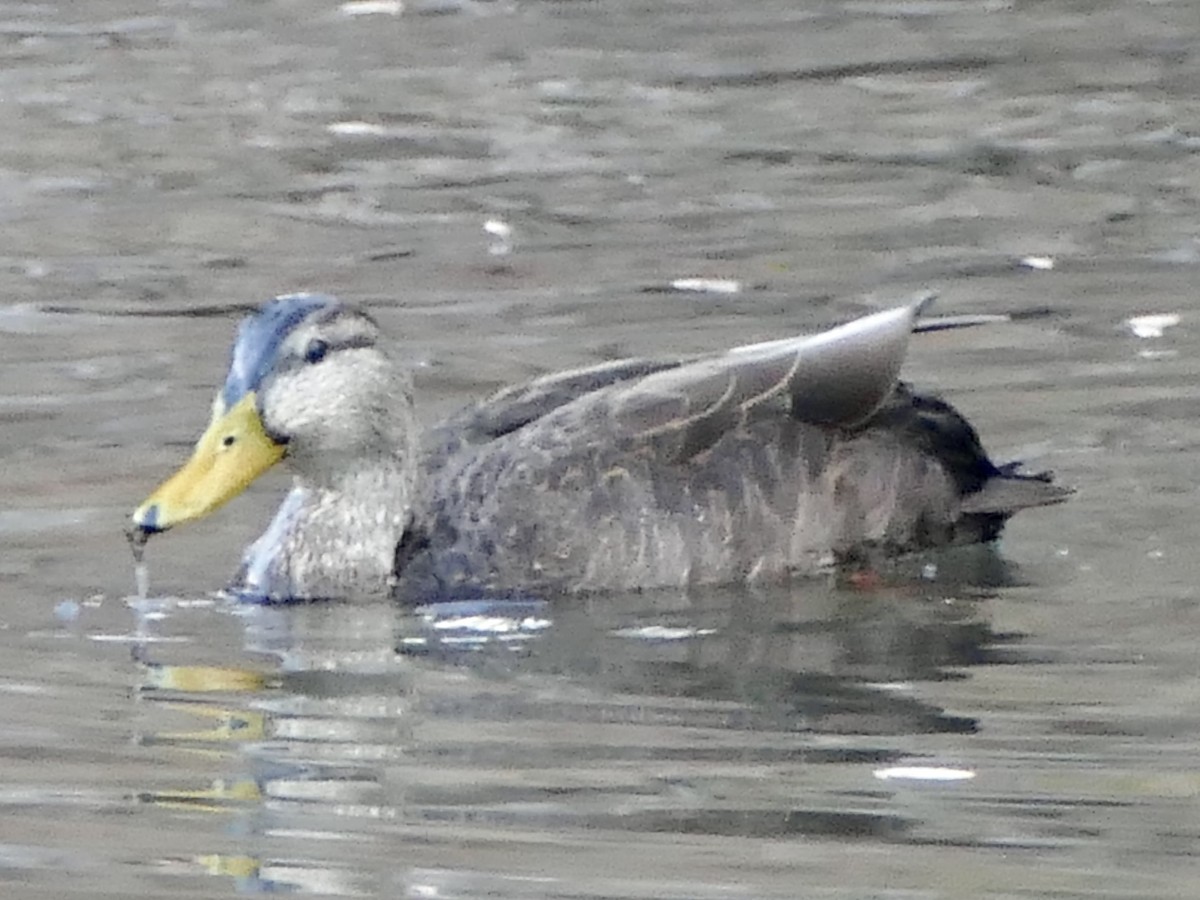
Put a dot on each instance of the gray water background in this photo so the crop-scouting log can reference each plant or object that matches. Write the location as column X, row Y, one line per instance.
column 164, row 166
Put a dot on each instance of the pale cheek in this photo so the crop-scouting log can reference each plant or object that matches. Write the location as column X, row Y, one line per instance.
column 292, row 410
column 322, row 409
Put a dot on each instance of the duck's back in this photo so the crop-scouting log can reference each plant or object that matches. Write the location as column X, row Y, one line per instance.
column 770, row 460
column 775, row 497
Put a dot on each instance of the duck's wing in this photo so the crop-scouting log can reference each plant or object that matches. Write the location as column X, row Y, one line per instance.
column 515, row 407
column 837, row 378
column 518, row 407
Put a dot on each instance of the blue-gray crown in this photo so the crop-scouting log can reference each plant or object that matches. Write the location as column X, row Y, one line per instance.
column 256, row 350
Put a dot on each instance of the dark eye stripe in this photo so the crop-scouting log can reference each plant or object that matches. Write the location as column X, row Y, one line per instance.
column 303, row 358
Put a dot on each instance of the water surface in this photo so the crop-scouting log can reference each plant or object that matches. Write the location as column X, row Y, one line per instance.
column 1021, row 724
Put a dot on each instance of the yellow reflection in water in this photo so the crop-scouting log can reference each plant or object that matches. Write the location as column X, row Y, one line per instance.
column 202, row 679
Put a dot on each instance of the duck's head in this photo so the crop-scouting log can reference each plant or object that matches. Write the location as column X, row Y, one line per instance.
column 308, row 380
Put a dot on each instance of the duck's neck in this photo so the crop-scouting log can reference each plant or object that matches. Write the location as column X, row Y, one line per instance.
column 352, row 524
column 334, row 536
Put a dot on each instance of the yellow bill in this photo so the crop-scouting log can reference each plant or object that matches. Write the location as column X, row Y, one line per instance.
column 232, row 452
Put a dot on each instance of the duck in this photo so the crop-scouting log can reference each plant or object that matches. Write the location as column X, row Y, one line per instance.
column 759, row 463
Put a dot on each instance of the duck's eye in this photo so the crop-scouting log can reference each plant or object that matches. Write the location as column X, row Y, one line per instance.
column 228, row 441
column 315, row 351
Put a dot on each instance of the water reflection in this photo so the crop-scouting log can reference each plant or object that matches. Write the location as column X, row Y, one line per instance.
column 648, row 713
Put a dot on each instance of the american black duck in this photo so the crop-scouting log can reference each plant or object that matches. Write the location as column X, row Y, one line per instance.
column 755, row 463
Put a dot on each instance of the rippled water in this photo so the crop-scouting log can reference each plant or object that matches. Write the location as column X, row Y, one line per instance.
column 1024, row 724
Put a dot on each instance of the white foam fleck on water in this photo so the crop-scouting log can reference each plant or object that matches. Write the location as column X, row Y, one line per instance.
column 923, row 773
column 355, row 129
column 501, row 233
column 1152, row 325
column 1038, row 263
column 707, row 285
column 372, row 8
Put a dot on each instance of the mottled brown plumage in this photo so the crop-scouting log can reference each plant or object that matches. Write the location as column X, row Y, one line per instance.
column 757, row 463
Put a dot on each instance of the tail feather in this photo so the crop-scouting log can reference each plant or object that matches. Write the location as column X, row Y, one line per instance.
column 1009, row 491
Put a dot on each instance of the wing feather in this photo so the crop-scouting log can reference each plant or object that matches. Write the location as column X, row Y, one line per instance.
column 839, row 378
column 680, row 408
